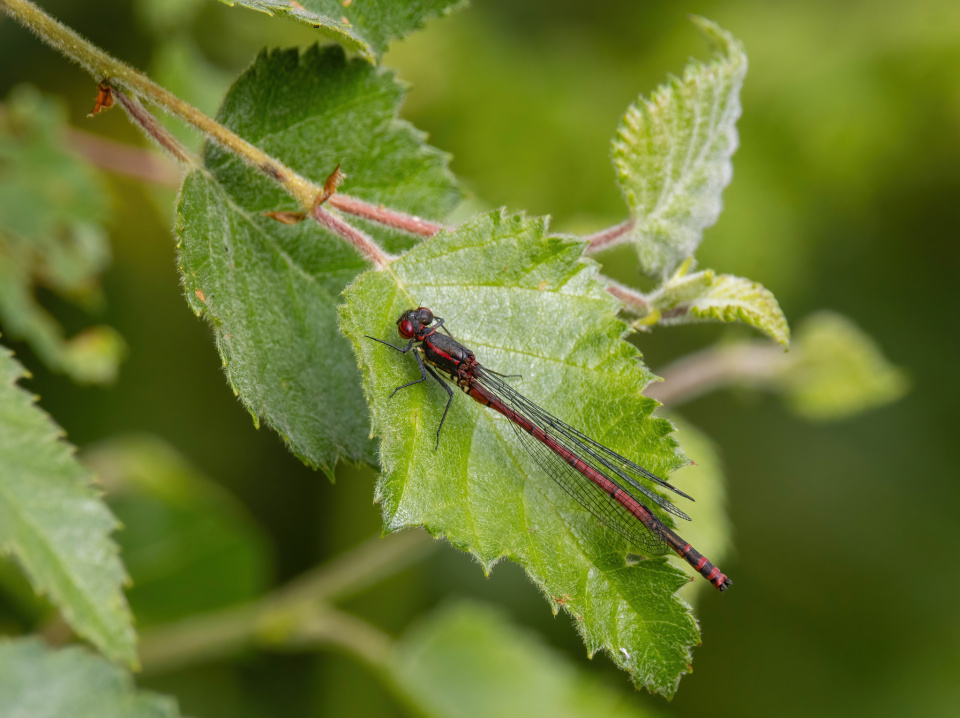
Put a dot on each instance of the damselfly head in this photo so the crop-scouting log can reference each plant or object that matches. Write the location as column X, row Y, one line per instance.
column 413, row 321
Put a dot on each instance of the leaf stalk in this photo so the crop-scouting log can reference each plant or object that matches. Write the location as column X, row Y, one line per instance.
column 711, row 369
column 360, row 240
column 610, row 237
column 635, row 302
column 155, row 130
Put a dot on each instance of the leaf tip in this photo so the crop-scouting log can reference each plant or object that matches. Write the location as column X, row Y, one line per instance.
column 721, row 39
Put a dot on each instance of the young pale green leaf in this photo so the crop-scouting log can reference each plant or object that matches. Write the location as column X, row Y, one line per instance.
column 527, row 304
column 835, row 370
column 364, row 26
column 51, row 208
column 39, row 682
column 189, row 546
column 55, row 524
column 270, row 289
column 672, row 154
column 706, row 296
column 467, row 660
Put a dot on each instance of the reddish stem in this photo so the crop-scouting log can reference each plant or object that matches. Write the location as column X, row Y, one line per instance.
column 746, row 363
column 384, row 216
column 609, row 237
column 635, row 302
column 362, row 242
column 154, row 130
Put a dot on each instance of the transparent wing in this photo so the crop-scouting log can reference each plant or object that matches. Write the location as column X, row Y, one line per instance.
column 609, row 511
column 611, row 465
column 597, row 455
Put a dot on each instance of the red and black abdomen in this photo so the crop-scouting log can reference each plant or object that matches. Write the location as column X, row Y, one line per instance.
column 697, row 560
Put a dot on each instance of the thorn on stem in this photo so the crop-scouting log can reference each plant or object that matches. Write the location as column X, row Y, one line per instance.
column 330, row 186
column 104, row 99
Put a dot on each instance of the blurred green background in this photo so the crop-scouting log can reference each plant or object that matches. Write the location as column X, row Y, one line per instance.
column 844, row 196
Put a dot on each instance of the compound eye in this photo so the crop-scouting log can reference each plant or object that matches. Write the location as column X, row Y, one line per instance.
column 424, row 316
column 405, row 327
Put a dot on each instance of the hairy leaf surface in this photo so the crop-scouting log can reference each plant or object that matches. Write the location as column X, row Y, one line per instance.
column 55, row 524
column 707, row 296
column 270, row 290
column 364, row 26
column 528, row 304
column 38, row 682
column 672, row 154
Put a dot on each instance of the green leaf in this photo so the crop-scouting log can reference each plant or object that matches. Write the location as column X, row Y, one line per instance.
column 672, row 154
column 528, row 304
column 55, row 524
column 38, row 682
column 364, row 26
column 270, row 290
column 706, row 296
column 189, row 546
column 836, row 370
column 51, row 208
column 468, row 661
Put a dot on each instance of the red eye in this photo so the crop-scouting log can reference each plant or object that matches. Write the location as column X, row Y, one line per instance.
column 405, row 327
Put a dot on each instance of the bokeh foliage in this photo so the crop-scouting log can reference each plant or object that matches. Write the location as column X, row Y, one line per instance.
column 841, row 197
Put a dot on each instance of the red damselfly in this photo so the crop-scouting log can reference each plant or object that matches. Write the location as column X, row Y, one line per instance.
column 603, row 482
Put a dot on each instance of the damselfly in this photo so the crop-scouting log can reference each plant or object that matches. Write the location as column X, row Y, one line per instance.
column 603, row 482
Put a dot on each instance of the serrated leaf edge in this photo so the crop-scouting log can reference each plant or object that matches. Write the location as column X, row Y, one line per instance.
column 593, row 644
column 56, row 438
column 646, row 111
column 700, row 297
